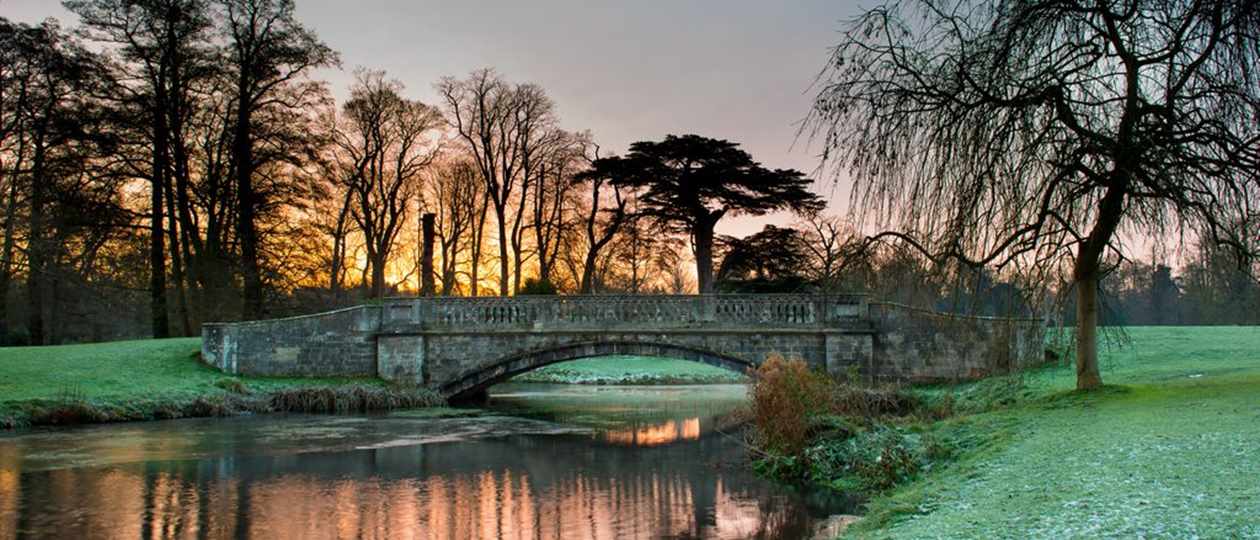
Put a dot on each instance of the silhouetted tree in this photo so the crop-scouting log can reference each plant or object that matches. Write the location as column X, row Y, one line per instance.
column 383, row 144
column 269, row 52
column 1165, row 296
column 600, row 224
column 773, row 260
column 691, row 182
column 50, row 93
column 163, row 48
column 457, row 195
column 563, row 157
column 482, row 110
column 830, row 244
column 992, row 132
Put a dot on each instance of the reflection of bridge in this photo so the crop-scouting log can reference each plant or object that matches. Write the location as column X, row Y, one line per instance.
column 463, row 345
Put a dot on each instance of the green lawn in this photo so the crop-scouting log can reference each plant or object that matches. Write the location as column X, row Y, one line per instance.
column 631, row 370
column 1170, row 450
column 122, row 372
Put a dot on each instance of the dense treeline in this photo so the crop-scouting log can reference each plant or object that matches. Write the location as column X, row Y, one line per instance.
column 1209, row 289
column 170, row 162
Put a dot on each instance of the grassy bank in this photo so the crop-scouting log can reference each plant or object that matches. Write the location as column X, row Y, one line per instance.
column 1169, row 449
column 151, row 379
column 631, row 370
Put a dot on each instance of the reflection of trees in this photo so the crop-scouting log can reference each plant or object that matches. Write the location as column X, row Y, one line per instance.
column 516, row 487
column 656, row 434
column 10, row 495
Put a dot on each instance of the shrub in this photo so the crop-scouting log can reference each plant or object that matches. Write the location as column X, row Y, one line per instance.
column 873, row 460
column 537, row 287
column 865, row 402
column 786, row 396
column 351, row 399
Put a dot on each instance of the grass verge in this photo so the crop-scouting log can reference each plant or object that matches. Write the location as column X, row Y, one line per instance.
column 159, row 379
column 1167, row 450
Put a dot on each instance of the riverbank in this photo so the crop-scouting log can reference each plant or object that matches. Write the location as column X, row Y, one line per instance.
column 631, row 370
column 1168, row 449
column 162, row 379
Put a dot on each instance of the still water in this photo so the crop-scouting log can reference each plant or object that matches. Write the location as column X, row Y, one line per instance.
column 570, row 462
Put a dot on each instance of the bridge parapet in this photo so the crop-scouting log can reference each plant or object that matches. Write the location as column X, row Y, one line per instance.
column 626, row 311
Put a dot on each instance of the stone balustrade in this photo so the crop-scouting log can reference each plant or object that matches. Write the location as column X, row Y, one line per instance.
column 622, row 311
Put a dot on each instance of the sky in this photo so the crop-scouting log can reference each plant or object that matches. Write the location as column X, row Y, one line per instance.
column 741, row 70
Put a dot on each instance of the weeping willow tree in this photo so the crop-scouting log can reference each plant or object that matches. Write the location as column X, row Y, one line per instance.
column 1046, row 132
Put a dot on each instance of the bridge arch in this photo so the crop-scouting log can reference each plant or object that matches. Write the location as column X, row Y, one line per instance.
column 510, row 366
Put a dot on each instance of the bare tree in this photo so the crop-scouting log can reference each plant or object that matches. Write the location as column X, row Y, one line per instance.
column 268, row 51
column 988, row 132
column 163, row 47
column 538, row 138
column 829, row 244
column 553, row 197
column 384, row 144
column 482, row 111
column 600, row 224
column 55, row 80
column 458, row 196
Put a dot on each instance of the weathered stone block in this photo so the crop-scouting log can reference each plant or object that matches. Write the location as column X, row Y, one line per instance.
column 401, row 359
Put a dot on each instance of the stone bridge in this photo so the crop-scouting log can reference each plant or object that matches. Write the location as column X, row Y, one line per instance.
column 461, row 346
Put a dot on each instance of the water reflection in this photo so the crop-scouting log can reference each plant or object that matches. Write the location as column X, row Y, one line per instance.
column 518, row 487
column 349, row 477
column 666, row 432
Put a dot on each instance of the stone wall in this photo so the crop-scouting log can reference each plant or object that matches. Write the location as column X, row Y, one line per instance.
column 919, row 345
column 336, row 343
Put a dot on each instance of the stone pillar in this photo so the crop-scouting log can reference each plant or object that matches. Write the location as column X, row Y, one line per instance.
column 400, row 359
column 841, row 351
column 426, row 258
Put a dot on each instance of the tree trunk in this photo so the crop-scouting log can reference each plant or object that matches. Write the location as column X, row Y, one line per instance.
column 1087, row 275
column 161, row 327
column 157, row 257
column 36, row 253
column 1087, row 374
column 339, row 248
column 378, row 275
column 504, row 262
column 588, row 272
column 704, row 255
column 178, row 270
column 479, row 236
column 242, row 155
column 6, row 257
column 518, row 240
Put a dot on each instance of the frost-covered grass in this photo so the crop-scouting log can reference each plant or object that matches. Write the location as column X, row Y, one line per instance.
column 126, row 380
column 631, row 370
column 1171, row 449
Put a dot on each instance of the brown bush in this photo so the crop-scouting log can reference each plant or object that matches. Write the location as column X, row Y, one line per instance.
column 352, row 399
column 785, row 396
column 866, row 402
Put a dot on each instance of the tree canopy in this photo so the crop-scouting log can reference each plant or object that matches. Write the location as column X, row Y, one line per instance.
column 773, row 260
column 1044, row 133
column 689, row 183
